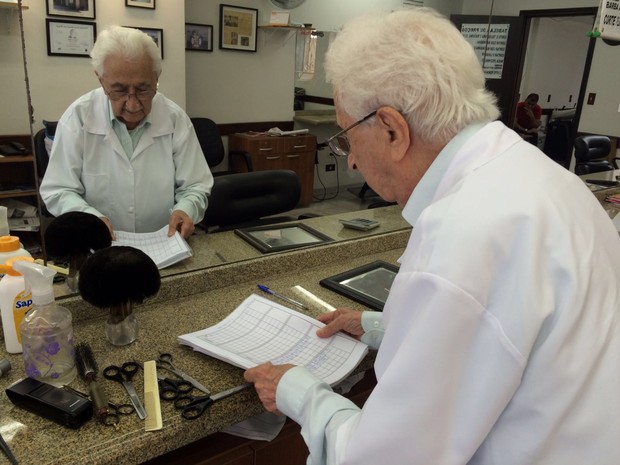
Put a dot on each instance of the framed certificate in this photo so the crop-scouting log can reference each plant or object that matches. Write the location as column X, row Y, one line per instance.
column 285, row 237
column 70, row 38
column 368, row 284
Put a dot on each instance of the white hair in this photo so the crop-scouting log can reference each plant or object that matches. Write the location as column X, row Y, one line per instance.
column 415, row 61
column 132, row 44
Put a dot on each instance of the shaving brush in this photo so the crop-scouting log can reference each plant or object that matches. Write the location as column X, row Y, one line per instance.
column 117, row 278
column 75, row 235
column 87, row 369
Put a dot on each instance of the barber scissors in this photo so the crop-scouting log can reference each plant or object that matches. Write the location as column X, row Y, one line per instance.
column 170, row 389
column 193, row 407
column 124, row 375
column 115, row 411
column 164, row 361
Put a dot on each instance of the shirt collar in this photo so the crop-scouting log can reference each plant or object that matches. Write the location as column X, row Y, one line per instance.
column 424, row 191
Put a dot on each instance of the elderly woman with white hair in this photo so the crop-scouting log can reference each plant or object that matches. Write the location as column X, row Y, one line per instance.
column 499, row 342
column 123, row 151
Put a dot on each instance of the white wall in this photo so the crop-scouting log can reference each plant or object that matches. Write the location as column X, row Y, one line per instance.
column 56, row 81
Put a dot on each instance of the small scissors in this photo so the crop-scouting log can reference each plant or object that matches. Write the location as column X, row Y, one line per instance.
column 124, row 375
column 170, row 389
column 114, row 413
column 165, row 361
column 193, row 407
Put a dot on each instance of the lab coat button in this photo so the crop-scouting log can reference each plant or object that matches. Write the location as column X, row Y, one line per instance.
column 130, row 209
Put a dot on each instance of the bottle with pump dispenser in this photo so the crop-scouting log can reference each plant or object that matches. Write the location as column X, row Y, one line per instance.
column 15, row 302
column 47, row 330
column 9, row 245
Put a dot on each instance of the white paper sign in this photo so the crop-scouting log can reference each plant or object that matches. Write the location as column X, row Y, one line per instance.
column 489, row 45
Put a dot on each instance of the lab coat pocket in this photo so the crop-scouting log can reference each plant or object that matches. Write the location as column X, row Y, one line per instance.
column 97, row 190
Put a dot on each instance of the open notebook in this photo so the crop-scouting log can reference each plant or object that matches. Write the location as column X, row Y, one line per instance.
column 163, row 250
column 260, row 330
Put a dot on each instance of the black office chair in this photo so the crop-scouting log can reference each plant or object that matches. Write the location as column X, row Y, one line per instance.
column 591, row 154
column 251, row 199
column 212, row 146
column 558, row 142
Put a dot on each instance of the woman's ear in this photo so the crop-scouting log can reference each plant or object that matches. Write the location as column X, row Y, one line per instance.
column 397, row 128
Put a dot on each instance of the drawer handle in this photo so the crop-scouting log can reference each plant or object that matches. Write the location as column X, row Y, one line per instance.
column 265, row 149
column 293, row 156
column 272, row 158
column 299, row 146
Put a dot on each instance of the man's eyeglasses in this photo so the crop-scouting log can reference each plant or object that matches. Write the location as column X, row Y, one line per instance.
column 142, row 96
column 339, row 142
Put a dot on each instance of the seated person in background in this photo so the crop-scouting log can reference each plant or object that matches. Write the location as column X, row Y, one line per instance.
column 527, row 119
column 499, row 342
column 124, row 152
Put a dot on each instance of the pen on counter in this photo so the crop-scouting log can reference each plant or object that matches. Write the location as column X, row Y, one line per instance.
column 264, row 288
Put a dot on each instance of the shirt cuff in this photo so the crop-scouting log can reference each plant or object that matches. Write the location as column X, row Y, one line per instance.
column 372, row 324
column 291, row 391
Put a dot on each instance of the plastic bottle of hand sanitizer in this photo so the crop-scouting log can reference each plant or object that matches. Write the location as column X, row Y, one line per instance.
column 15, row 302
column 47, row 330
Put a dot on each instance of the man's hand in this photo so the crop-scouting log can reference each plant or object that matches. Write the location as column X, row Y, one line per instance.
column 343, row 319
column 179, row 221
column 265, row 378
column 108, row 223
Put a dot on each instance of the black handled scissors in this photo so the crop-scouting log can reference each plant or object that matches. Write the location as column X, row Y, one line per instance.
column 124, row 375
column 115, row 411
column 164, row 361
column 193, row 407
column 170, row 389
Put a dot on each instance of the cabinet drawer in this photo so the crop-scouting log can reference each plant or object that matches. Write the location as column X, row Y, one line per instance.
column 298, row 144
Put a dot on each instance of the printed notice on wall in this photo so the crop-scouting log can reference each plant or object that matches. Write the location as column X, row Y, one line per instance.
column 609, row 19
column 489, row 42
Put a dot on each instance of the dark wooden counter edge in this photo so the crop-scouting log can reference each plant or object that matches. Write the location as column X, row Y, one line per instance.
column 216, row 447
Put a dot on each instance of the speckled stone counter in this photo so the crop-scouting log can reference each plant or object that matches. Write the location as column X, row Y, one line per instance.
column 186, row 302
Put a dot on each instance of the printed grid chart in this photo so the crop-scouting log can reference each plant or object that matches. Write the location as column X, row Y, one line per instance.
column 163, row 250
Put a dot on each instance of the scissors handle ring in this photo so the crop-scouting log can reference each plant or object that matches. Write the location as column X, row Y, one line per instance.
column 113, row 373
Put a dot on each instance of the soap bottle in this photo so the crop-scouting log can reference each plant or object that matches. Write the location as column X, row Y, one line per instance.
column 9, row 245
column 15, row 302
column 47, row 331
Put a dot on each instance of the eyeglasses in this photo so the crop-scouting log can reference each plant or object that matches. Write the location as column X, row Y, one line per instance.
column 339, row 143
column 142, row 96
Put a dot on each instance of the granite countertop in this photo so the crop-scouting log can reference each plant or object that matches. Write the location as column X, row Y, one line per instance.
column 186, row 303
column 315, row 117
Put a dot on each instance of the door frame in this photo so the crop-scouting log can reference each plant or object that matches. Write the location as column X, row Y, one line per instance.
column 527, row 16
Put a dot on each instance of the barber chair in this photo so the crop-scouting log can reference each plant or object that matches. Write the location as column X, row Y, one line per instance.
column 591, row 154
column 251, row 199
column 558, row 142
column 212, row 146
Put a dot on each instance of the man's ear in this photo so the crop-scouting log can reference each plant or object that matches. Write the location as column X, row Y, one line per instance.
column 398, row 131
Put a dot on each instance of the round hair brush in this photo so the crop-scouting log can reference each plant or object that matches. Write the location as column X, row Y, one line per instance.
column 87, row 369
column 75, row 235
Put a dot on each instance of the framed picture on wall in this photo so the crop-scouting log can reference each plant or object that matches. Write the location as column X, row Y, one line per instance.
column 141, row 3
column 199, row 37
column 238, row 27
column 80, row 9
column 156, row 34
column 70, row 38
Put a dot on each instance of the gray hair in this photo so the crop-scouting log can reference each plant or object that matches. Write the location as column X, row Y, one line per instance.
column 132, row 44
column 415, row 61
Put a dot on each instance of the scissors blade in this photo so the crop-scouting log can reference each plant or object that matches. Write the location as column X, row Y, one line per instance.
column 194, row 382
column 230, row 392
column 7, row 451
column 135, row 400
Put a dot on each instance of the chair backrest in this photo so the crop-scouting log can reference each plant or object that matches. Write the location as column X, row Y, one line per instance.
column 40, row 152
column 244, row 199
column 558, row 142
column 210, row 140
column 591, row 154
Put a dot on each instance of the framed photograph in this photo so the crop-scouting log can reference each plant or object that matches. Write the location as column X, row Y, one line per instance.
column 156, row 34
column 199, row 37
column 70, row 38
column 368, row 284
column 275, row 238
column 238, row 27
column 80, row 8
column 141, row 3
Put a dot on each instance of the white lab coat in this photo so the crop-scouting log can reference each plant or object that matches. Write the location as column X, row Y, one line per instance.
column 89, row 171
column 502, row 327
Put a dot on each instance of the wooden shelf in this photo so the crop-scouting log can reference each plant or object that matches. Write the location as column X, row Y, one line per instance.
column 10, row 5
column 16, row 158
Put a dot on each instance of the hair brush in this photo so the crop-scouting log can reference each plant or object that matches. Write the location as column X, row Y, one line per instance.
column 87, row 369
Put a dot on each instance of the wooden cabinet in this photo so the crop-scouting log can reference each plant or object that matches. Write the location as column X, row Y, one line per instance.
column 266, row 152
column 18, row 180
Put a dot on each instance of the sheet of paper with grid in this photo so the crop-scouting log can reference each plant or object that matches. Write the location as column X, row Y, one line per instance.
column 260, row 330
column 163, row 250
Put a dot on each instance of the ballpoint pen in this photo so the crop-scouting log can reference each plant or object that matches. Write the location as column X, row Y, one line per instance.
column 264, row 288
